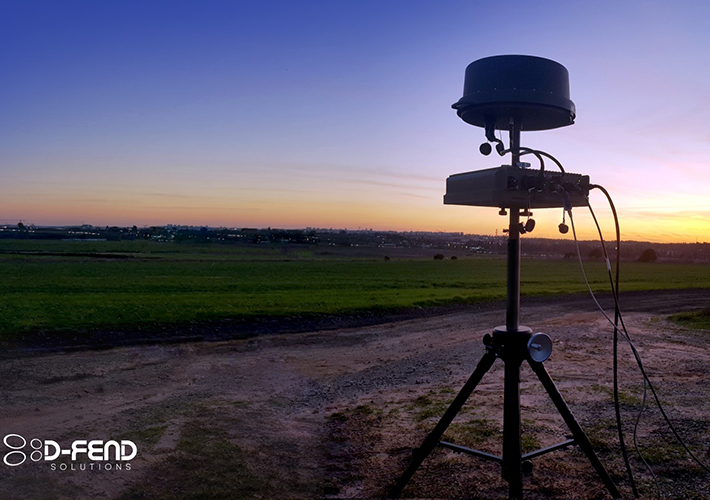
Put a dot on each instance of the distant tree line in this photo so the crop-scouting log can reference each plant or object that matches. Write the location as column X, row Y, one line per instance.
column 444, row 243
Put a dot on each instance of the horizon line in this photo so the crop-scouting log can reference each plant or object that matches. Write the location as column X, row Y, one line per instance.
column 4, row 226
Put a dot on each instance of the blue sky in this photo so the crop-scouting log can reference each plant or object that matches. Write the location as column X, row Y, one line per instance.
column 337, row 114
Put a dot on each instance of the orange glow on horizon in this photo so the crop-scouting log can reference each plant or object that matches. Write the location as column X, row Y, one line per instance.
column 671, row 227
column 331, row 201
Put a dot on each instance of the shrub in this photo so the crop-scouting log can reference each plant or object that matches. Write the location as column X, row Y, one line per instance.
column 648, row 255
column 595, row 254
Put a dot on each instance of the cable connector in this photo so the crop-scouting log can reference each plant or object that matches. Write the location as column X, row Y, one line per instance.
column 566, row 201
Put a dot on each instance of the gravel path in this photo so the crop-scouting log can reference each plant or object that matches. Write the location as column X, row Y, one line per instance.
column 335, row 413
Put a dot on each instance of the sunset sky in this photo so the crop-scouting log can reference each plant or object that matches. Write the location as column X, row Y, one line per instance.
column 338, row 113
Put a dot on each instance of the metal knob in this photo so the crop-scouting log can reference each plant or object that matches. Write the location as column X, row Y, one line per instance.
column 539, row 347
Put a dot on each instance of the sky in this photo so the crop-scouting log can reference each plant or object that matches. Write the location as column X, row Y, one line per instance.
column 338, row 114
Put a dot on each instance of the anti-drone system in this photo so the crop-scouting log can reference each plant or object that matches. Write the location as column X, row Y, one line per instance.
column 514, row 93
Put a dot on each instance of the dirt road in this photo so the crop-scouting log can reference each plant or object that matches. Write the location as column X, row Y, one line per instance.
column 335, row 414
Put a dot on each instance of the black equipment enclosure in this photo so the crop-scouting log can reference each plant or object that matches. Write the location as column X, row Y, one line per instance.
column 531, row 90
column 508, row 186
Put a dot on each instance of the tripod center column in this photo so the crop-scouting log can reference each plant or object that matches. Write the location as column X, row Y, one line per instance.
column 512, row 321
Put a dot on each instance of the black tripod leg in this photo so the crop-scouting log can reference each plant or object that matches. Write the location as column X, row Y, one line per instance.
column 419, row 454
column 579, row 436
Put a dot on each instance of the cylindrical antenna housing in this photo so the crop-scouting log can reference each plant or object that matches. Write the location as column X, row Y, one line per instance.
column 532, row 91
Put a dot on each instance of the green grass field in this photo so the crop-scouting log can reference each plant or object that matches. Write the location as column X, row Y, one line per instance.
column 69, row 286
column 699, row 320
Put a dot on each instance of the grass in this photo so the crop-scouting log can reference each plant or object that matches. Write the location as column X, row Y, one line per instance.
column 186, row 475
column 146, row 437
column 625, row 397
column 699, row 320
column 64, row 287
column 472, row 433
column 425, row 407
column 662, row 451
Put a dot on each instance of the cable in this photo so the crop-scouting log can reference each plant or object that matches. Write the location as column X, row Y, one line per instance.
column 615, row 356
column 548, row 155
column 637, row 356
column 636, row 444
column 647, row 382
column 584, row 274
column 525, row 151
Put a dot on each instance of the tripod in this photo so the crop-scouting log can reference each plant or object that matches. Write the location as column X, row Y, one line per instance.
column 512, row 344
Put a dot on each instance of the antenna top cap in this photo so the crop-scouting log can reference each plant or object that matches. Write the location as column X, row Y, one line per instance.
column 532, row 91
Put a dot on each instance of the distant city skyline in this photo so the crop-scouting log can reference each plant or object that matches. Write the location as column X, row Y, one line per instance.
column 337, row 114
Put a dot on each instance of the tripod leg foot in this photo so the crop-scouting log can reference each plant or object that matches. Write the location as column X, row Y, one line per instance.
column 435, row 435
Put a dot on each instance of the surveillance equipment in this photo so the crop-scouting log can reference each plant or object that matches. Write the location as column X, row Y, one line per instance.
column 531, row 90
column 508, row 186
column 514, row 93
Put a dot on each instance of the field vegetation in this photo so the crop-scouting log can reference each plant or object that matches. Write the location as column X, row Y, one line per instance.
column 57, row 287
column 699, row 320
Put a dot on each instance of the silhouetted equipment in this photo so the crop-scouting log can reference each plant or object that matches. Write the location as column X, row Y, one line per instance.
column 507, row 186
column 514, row 93
column 531, row 90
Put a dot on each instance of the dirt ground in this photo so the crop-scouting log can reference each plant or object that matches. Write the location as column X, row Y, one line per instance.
column 335, row 414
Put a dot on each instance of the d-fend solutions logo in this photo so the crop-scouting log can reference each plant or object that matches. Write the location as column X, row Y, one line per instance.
column 95, row 450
